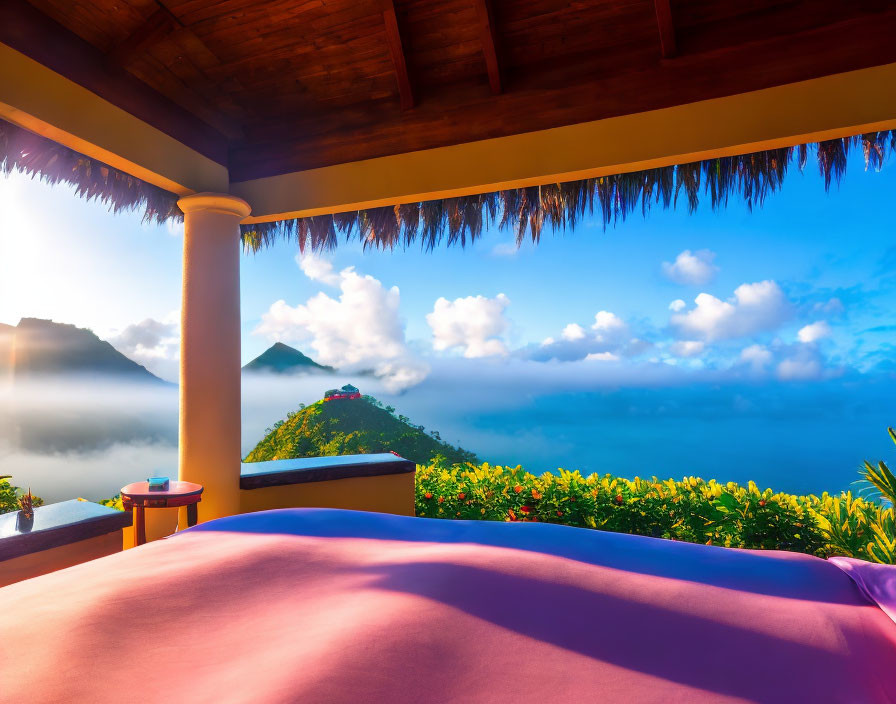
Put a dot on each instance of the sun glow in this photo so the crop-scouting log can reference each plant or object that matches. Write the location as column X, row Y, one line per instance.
column 19, row 249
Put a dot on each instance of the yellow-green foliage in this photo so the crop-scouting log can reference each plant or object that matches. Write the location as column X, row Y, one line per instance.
column 9, row 496
column 351, row 427
column 692, row 509
column 114, row 502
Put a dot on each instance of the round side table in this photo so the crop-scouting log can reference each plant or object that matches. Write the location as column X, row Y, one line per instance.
column 138, row 497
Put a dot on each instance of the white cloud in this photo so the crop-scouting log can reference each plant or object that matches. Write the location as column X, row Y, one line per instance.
column 573, row 332
column 602, row 357
column 756, row 356
column 814, row 332
column 799, row 369
column 677, row 305
column 607, row 338
column 687, row 348
column 753, row 308
column 99, row 472
column 317, row 269
column 361, row 330
column 607, row 323
column 474, row 324
column 692, row 268
column 153, row 343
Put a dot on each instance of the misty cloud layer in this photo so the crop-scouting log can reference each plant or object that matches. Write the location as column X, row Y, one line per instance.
column 76, row 437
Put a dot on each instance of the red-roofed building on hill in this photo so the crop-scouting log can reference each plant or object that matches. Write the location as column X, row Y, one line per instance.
column 346, row 393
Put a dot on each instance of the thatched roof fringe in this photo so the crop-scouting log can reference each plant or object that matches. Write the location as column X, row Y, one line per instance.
column 525, row 211
column 28, row 153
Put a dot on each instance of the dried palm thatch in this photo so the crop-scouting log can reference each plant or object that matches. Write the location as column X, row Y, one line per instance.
column 559, row 206
column 458, row 221
column 26, row 152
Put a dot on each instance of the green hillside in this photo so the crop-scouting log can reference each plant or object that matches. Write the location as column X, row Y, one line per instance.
column 347, row 427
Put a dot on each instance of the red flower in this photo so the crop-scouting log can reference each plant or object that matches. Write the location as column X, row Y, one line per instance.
column 618, row 498
column 535, row 494
column 517, row 488
column 524, row 509
column 559, row 513
column 427, row 495
column 762, row 502
column 441, row 499
column 461, row 496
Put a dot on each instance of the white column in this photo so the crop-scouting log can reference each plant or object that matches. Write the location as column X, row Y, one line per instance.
column 209, row 448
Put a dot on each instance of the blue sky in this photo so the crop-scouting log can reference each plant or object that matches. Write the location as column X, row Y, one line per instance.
column 810, row 261
column 731, row 344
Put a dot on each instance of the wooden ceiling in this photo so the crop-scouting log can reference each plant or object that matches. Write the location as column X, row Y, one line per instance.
column 285, row 85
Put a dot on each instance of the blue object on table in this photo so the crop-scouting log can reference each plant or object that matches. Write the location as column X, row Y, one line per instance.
column 158, row 483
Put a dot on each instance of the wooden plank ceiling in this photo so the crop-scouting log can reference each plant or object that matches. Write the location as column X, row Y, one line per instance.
column 292, row 84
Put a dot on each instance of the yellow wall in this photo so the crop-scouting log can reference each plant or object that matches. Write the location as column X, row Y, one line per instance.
column 43, row 101
column 388, row 493
column 38, row 563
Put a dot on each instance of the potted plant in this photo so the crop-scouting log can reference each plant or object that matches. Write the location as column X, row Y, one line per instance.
column 25, row 517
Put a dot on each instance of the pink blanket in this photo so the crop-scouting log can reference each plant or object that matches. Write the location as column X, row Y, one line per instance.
column 315, row 605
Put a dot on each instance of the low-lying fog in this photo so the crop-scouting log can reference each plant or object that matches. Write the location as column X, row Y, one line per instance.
column 69, row 437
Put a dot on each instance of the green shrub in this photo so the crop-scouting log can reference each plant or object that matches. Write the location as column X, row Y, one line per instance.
column 114, row 502
column 692, row 509
column 9, row 496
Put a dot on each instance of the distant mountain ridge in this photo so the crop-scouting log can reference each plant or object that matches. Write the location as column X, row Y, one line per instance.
column 283, row 359
column 37, row 347
column 346, row 426
column 68, row 408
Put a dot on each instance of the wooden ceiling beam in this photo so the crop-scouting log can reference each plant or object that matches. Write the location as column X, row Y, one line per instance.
column 33, row 34
column 486, row 15
column 199, row 100
column 666, row 27
column 158, row 26
column 393, row 38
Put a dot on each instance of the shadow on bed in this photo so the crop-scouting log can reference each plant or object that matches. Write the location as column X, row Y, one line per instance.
column 657, row 641
column 772, row 573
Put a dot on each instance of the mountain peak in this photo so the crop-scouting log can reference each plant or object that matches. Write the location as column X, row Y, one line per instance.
column 39, row 346
column 280, row 358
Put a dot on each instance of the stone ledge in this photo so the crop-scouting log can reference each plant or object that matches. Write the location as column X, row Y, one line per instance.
column 58, row 524
column 257, row 475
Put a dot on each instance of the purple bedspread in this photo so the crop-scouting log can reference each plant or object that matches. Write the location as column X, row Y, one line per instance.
column 315, row 605
column 876, row 582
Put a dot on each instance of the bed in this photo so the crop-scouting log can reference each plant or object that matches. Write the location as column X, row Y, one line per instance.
column 317, row 605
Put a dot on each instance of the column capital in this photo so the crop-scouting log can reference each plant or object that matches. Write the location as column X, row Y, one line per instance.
column 215, row 203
